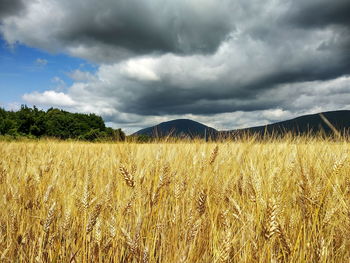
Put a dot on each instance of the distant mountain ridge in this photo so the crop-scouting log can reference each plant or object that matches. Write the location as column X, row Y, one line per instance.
column 179, row 128
column 312, row 123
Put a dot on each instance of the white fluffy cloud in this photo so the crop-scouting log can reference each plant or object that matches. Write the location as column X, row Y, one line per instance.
column 49, row 98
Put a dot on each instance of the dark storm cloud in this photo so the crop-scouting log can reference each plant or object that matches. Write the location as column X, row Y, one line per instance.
column 225, row 96
column 10, row 7
column 315, row 70
column 143, row 27
column 125, row 28
column 165, row 100
column 320, row 13
column 323, row 14
column 197, row 107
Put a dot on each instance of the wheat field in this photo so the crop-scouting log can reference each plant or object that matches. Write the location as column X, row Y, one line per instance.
column 244, row 201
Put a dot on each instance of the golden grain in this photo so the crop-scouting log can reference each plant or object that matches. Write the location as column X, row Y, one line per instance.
column 244, row 201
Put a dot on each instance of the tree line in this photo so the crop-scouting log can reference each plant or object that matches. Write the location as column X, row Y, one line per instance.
column 56, row 123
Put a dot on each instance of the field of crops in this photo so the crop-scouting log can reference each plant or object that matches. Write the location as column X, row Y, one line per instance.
column 277, row 201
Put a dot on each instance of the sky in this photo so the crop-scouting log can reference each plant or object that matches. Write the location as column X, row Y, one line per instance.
column 226, row 63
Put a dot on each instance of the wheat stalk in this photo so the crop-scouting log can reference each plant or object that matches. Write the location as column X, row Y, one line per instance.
column 271, row 224
column 201, row 200
column 213, row 155
column 93, row 217
column 128, row 177
column 49, row 218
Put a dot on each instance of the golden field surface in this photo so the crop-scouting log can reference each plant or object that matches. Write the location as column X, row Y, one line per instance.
column 244, row 201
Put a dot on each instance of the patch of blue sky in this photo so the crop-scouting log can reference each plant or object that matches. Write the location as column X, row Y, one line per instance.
column 26, row 70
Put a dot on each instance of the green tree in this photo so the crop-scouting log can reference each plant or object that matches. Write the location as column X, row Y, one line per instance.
column 56, row 123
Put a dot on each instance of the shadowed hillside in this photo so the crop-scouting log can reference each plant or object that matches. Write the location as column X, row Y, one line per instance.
column 308, row 124
column 179, row 128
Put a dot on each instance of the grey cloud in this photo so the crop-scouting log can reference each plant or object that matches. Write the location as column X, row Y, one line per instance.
column 322, row 14
column 319, row 13
column 227, row 81
column 10, row 7
column 228, row 94
column 144, row 27
column 196, row 101
column 126, row 27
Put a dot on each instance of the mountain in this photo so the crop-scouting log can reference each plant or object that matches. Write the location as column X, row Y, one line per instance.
column 179, row 128
column 312, row 124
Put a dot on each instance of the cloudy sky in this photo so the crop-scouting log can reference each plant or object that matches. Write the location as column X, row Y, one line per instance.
column 226, row 63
